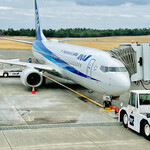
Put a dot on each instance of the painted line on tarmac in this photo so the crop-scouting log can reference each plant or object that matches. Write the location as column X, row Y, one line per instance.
column 6, row 98
column 54, row 126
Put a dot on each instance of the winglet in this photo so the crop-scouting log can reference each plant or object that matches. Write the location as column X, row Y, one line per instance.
column 39, row 34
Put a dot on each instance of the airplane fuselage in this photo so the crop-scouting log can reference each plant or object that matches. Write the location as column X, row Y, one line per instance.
column 89, row 67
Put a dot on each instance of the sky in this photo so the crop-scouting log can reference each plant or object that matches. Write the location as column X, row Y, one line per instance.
column 94, row 14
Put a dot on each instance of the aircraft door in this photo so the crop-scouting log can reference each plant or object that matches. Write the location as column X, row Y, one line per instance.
column 90, row 67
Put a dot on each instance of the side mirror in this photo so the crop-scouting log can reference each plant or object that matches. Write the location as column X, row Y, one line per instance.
column 121, row 104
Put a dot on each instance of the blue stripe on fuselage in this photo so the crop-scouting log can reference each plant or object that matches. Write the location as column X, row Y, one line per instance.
column 40, row 47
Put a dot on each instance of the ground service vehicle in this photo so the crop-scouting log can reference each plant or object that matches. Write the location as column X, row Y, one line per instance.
column 7, row 73
column 136, row 115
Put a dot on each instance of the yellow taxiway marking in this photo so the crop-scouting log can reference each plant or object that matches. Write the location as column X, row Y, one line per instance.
column 105, row 110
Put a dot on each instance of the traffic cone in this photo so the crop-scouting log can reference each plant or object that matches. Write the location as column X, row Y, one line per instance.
column 33, row 90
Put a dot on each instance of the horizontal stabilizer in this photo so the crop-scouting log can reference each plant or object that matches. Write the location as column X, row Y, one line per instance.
column 15, row 40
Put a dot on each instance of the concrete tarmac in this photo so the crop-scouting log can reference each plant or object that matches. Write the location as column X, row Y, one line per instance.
column 80, row 138
column 58, row 119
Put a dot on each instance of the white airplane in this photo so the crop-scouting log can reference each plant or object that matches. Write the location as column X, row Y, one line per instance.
column 92, row 68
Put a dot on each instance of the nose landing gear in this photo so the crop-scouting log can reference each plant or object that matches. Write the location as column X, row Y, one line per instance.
column 107, row 104
column 107, row 101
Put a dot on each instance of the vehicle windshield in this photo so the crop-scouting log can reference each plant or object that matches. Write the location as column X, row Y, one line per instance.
column 144, row 99
column 113, row 69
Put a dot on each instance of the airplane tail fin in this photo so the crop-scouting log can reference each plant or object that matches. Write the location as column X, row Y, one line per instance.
column 39, row 34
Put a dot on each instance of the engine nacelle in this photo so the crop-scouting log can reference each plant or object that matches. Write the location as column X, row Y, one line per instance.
column 31, row 77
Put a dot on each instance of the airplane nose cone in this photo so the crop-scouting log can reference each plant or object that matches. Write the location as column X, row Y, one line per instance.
column 124, row 84
column 120, row 84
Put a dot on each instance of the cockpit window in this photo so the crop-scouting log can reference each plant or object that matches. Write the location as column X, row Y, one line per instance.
column 123, row 69
column 113, row 69
column 104, row 69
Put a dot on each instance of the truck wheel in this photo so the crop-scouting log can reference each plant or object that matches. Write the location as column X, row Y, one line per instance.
column 125, row 120
column 5, row 75
column 146, row 130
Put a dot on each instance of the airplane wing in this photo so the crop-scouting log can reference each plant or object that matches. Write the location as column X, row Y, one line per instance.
column 20, row 41
column 40, row 67
column 28, row 42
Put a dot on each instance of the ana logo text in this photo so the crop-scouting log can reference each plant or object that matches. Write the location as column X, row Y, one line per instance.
column 83, row 57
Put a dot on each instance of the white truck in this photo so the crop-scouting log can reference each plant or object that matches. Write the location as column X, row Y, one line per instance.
column 10, row 70
column 136, row 115
column 8, row 73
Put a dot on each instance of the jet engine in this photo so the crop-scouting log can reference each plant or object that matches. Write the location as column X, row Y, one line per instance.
column 31, row 77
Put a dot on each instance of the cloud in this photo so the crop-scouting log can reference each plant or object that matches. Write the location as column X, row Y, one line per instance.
column 111, row 2
column 146, row 16
column 8, row 18
column 26, row 4
column 47, row 16
column 128, row 16
column 56, row 14
column 5, row 8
